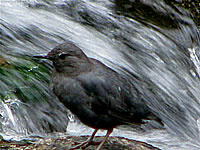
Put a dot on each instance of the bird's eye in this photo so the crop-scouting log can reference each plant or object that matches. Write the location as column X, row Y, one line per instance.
column 63, row 56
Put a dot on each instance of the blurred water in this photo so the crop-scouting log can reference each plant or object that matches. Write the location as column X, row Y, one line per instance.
column 154, row 44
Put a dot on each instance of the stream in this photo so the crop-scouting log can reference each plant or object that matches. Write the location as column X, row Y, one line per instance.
column 155, row 44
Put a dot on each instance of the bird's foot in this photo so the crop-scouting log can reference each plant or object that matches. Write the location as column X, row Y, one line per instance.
column 91, row 143
column 84, row 145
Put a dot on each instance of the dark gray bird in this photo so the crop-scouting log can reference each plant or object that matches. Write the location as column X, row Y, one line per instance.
column 96, row 94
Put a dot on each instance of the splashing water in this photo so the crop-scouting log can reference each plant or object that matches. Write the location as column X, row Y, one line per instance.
column 154, row 44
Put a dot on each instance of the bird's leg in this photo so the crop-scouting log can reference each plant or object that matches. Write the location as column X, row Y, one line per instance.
column 105, row 138
column 88, row 141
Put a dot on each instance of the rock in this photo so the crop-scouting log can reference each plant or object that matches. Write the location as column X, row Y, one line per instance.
column 65, row 142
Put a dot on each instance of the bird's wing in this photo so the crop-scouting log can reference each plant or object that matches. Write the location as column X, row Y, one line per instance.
column 111, row 95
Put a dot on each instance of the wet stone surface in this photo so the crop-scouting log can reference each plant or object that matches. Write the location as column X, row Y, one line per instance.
column 64, row 143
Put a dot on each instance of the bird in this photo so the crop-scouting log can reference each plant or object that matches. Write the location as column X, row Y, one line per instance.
column 99, row 96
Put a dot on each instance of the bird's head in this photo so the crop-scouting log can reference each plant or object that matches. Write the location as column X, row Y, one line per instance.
column 66, row 56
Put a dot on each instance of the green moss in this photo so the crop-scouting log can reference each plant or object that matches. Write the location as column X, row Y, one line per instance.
column 191, row 5
column 24, row 79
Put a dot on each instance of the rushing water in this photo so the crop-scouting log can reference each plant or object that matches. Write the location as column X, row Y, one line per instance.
column 154, row 44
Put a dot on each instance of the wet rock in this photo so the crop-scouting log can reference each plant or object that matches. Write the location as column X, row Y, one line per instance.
column 65, row 142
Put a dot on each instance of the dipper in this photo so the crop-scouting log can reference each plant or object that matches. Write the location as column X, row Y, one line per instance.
column 99, row 96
